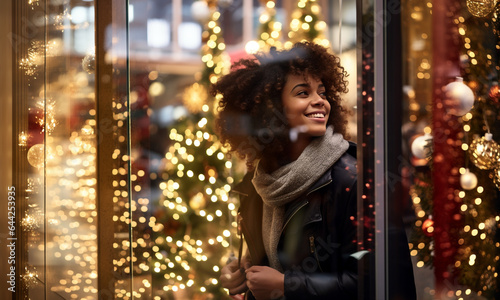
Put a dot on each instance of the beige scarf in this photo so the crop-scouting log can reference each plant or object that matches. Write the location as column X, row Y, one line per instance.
column 289, row 182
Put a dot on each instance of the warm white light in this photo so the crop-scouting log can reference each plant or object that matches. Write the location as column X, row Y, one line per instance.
column 252, row 47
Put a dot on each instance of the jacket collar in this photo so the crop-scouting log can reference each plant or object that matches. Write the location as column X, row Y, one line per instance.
column 323, row 180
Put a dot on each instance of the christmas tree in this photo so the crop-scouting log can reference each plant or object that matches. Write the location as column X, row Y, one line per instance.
column 193, row 233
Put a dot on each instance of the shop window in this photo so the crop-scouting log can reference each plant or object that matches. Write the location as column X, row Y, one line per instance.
column 123, row 188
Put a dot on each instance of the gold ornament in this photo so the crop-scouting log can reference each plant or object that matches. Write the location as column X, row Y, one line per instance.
column 481, row 8
column 484, row 152
column 36, row 156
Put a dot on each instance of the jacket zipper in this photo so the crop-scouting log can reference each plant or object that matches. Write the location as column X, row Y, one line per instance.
column 313, row 251
column 324, row 184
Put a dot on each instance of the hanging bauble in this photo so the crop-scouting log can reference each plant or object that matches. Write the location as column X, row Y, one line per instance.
column 225, row 3
column 421, row 146
column 484, row 152
column 88, row 63
column 200, row 11
column 481, row 8
column 459, row 97
column 36, row 156
column 496, row 175
column 494, row 92
column 468, row 180
column 428, row 227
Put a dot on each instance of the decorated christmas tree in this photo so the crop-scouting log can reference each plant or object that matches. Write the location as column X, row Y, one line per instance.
column 193, row 234
column 475, row 100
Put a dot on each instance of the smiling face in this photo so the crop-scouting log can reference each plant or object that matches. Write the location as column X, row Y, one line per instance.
column 306, row 107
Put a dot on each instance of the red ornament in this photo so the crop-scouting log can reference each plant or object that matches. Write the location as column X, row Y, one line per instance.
column 428, row 227
column 494, row 93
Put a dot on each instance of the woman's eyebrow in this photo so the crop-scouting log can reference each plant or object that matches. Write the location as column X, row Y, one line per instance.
column 300, row 85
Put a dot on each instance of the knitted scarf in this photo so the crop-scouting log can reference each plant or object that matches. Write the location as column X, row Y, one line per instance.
column 287, row 183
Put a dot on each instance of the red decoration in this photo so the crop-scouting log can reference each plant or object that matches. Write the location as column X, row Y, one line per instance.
column 446, row 157
column 428, row 227
column 494, row 93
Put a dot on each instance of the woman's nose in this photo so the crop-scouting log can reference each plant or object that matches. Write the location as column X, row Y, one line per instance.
column 318, row 100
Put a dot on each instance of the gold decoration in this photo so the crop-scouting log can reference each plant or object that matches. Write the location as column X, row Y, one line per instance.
column 59, row 20
column 36, row 156
column 29, row 278
column 484, row 152
column 23, row 139
column 481, row 8
column 48, row 121
column 194, row 97
column 30, row 222
column 33, row 59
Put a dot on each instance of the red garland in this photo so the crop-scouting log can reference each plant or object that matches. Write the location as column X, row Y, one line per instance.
column 447, row 155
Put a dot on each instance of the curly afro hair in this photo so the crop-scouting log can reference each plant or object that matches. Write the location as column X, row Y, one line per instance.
column 251, row 119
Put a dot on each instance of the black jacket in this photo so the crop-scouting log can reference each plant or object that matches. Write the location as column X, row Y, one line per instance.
column 317, row 248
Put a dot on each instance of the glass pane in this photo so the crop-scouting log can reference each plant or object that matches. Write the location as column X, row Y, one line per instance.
column 70, row 149
column 182, row 178
column 30, row 159
column 60, row 138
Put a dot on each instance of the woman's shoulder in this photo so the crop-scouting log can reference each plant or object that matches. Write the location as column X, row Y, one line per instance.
column 346, row 166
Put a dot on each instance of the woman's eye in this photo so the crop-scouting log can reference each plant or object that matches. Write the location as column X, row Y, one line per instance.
column 302, row 93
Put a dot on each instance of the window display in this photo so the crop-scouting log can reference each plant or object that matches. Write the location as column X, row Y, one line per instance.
column 451, row 125
column 123, row 188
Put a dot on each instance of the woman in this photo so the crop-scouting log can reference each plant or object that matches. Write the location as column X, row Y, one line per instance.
column 282, row 114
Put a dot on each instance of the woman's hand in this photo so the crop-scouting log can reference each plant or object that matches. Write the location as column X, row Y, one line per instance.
column 265, row 282
column 233, row 278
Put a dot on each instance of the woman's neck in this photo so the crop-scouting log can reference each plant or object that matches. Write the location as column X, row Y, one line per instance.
column 292, row 152
column 298, row 146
